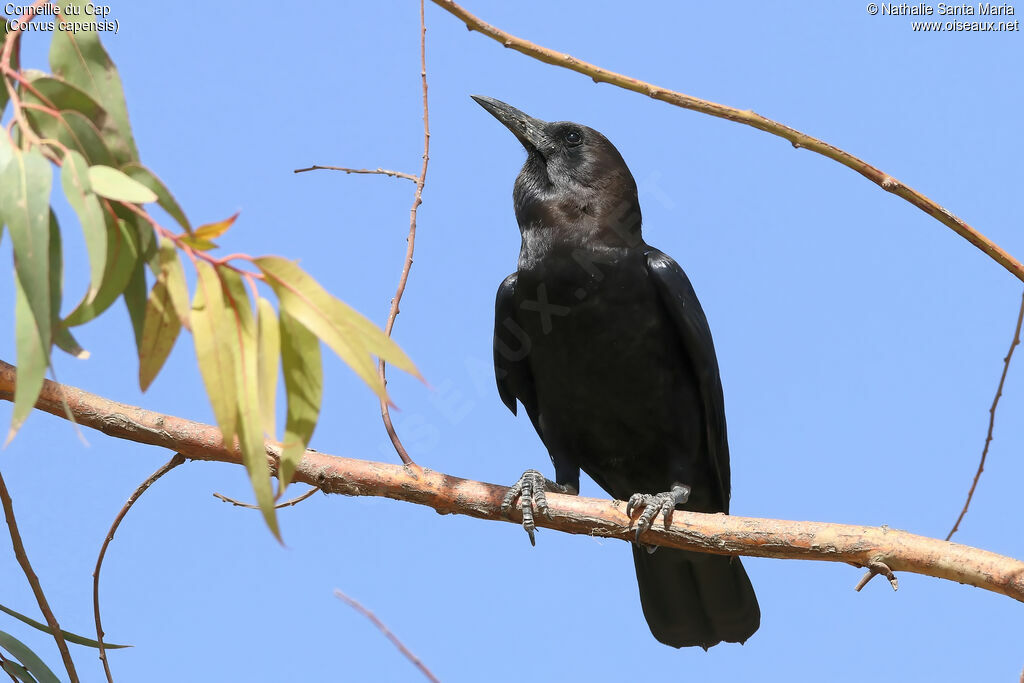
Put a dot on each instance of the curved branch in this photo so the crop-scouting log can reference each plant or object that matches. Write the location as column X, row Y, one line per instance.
column 991, row 421
column 862, row 546
column 748, row 118
column 176, row 460
column 249, row 506
column 403, row 279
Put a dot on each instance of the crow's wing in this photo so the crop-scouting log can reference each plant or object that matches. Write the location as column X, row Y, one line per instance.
column 511, row 348
column 688, row 318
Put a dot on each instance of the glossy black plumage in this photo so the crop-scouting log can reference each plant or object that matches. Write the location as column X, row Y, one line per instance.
column 601, row 338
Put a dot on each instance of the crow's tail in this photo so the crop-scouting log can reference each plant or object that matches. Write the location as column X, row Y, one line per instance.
column 695, row 598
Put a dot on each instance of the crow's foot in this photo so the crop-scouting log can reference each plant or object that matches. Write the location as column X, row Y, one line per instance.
column 654, row 503
column 530, row 490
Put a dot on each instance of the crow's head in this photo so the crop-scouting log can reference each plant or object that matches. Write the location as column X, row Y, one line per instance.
column 573, row 179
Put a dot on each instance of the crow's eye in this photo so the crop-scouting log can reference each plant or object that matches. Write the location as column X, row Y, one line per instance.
column 573, row 137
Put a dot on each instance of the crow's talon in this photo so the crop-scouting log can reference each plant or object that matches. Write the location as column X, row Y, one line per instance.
column 530, row 489
column 653, row 504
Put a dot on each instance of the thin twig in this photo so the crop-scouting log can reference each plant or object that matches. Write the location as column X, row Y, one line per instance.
column 167, row 467
column 874, row 569
column 716, row 534
column 33, row 580
column 991, row 419
column 249, row 506
column 367, row 171
column 746, row 117
column 385, row 411
column 354, row 604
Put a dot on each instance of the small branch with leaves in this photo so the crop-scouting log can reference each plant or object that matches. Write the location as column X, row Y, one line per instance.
column 76, row 118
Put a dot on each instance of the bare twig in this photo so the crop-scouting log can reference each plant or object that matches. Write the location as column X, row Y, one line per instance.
column 385, row 411
column 874, row 569
column 368, row 171
column 991, row 420
column 746, row 117
column 250, row 506
column 355, row 604
column 716, row 534
column 33, row 580
column 167, row 467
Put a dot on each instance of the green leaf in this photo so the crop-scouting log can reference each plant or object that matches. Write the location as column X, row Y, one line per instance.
column 114, row 184
column 56, row 271
column 341, row 327
column 64, row 340
column 269, row 357
column 134, row 296
column 18, row 671
column 303, row 384
column 31, row 360
column 215, row 349
column 73, row 130
column 74, row 176
column 122, row 254
column 6, row 155
column 159, row 332
column 199, row 245
column 145, row 235
column 239, row 323
column 29, row 659
column 68, row 636
column 212, row 230
column 164, row 197
column 14, row 62
column 80, row 59
column 61, row 95
column 25, row 202
column 174, row 277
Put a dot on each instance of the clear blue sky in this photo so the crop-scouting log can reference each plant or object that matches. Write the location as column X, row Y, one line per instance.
column 860, row 341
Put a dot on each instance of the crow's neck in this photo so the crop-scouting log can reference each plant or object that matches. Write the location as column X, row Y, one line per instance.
column 559, row 230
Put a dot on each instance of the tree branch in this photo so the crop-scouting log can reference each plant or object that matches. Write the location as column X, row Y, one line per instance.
column 175, row 460
column 249, row 506
column 748, row 118
column 991, row 421
column 385, row 411
column 363, row 171
column 406, row 652
column 33, row 580
column 861, row 546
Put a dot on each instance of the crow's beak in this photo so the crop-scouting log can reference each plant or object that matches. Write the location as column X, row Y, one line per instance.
column 528, row 130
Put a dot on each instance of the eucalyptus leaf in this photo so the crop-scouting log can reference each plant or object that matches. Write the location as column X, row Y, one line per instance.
column 347, row 332
column 164, row 197
column 240, row 327
column 25, row 202
column 74, row 176
column 79, row 58
column 215, row 349
column 29, row 659
column 303, row 384
column 114, row 184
